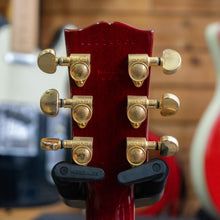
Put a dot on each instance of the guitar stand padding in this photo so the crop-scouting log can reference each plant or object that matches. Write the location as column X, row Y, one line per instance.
column 71, row 182
column 149, row 180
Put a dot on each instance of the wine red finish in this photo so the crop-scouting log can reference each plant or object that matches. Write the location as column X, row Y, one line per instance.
column 212, row 156
column 109, row 84
column 212, row 172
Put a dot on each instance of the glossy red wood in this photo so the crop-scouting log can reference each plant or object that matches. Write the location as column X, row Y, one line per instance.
column 211, row 167
column 109, row 84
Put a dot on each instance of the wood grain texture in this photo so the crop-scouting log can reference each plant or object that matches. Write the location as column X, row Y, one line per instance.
column 178, row 24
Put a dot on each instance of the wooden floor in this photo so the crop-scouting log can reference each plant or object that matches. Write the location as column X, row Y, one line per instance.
column 178, row 24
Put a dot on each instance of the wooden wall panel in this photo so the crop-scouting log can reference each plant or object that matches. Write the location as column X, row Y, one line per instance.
column 188, row 6
column 197, row 71
column 69, row 6
column 170, row 30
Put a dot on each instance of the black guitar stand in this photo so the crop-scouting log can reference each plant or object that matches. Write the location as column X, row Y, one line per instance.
column 149, row 179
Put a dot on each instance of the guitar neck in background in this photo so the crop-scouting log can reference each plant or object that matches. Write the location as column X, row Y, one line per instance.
column 25, row 21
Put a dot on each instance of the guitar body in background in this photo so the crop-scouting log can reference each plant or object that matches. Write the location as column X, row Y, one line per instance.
column 21, row 124
column 20, row 80
column 205, row 152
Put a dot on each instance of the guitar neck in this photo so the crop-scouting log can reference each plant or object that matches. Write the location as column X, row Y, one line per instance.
column 24, row 36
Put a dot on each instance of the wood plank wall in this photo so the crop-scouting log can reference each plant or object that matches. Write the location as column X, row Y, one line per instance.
column 178, row 24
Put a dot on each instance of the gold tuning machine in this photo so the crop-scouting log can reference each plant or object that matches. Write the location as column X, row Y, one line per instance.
column 137, row 148
column 79, row 64
column 137, row 107
column 82, row 147
column 81, row 106
column 138, row 65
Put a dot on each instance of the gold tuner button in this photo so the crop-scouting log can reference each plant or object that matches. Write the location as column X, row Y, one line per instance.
column 47, row 61
column 79, row 64
column 49, row 103
column 50, row 144
column 137, row 148
column 171, row 61
column 168, row 146
column 138, row 65
column 82, row 147
column 169, row 104
column 81, row 106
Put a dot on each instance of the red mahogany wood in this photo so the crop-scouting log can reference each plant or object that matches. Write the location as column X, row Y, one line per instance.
column 109, row 84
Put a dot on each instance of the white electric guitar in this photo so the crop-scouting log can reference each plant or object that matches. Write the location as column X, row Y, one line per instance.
column 20, row 80
column 21, row 85
column 205, row 153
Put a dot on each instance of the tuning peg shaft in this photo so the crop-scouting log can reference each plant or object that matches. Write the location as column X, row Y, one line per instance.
column 137, row 107
column 82, row 147
column 137, row 148
column 139, row 64
column 81, row 106
column 79, row 64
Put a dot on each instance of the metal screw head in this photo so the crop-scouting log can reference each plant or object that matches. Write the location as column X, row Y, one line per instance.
column 136, row 156
column 47, row 61
column 168, row 146
column 138, row 73
column 170, row 104
column 171, row 61
column 49, row 102
column 136, row 113
column 79, row 71
column 82, row 155
column 82, row 113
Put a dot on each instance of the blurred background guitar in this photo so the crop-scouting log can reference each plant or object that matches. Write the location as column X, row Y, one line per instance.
column 206, row 144
column 21, row 124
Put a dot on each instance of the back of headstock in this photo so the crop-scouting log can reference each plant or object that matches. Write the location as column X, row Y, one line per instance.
column 109, row 69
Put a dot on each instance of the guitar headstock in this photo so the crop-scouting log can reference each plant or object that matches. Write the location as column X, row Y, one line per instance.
column 109, row 69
